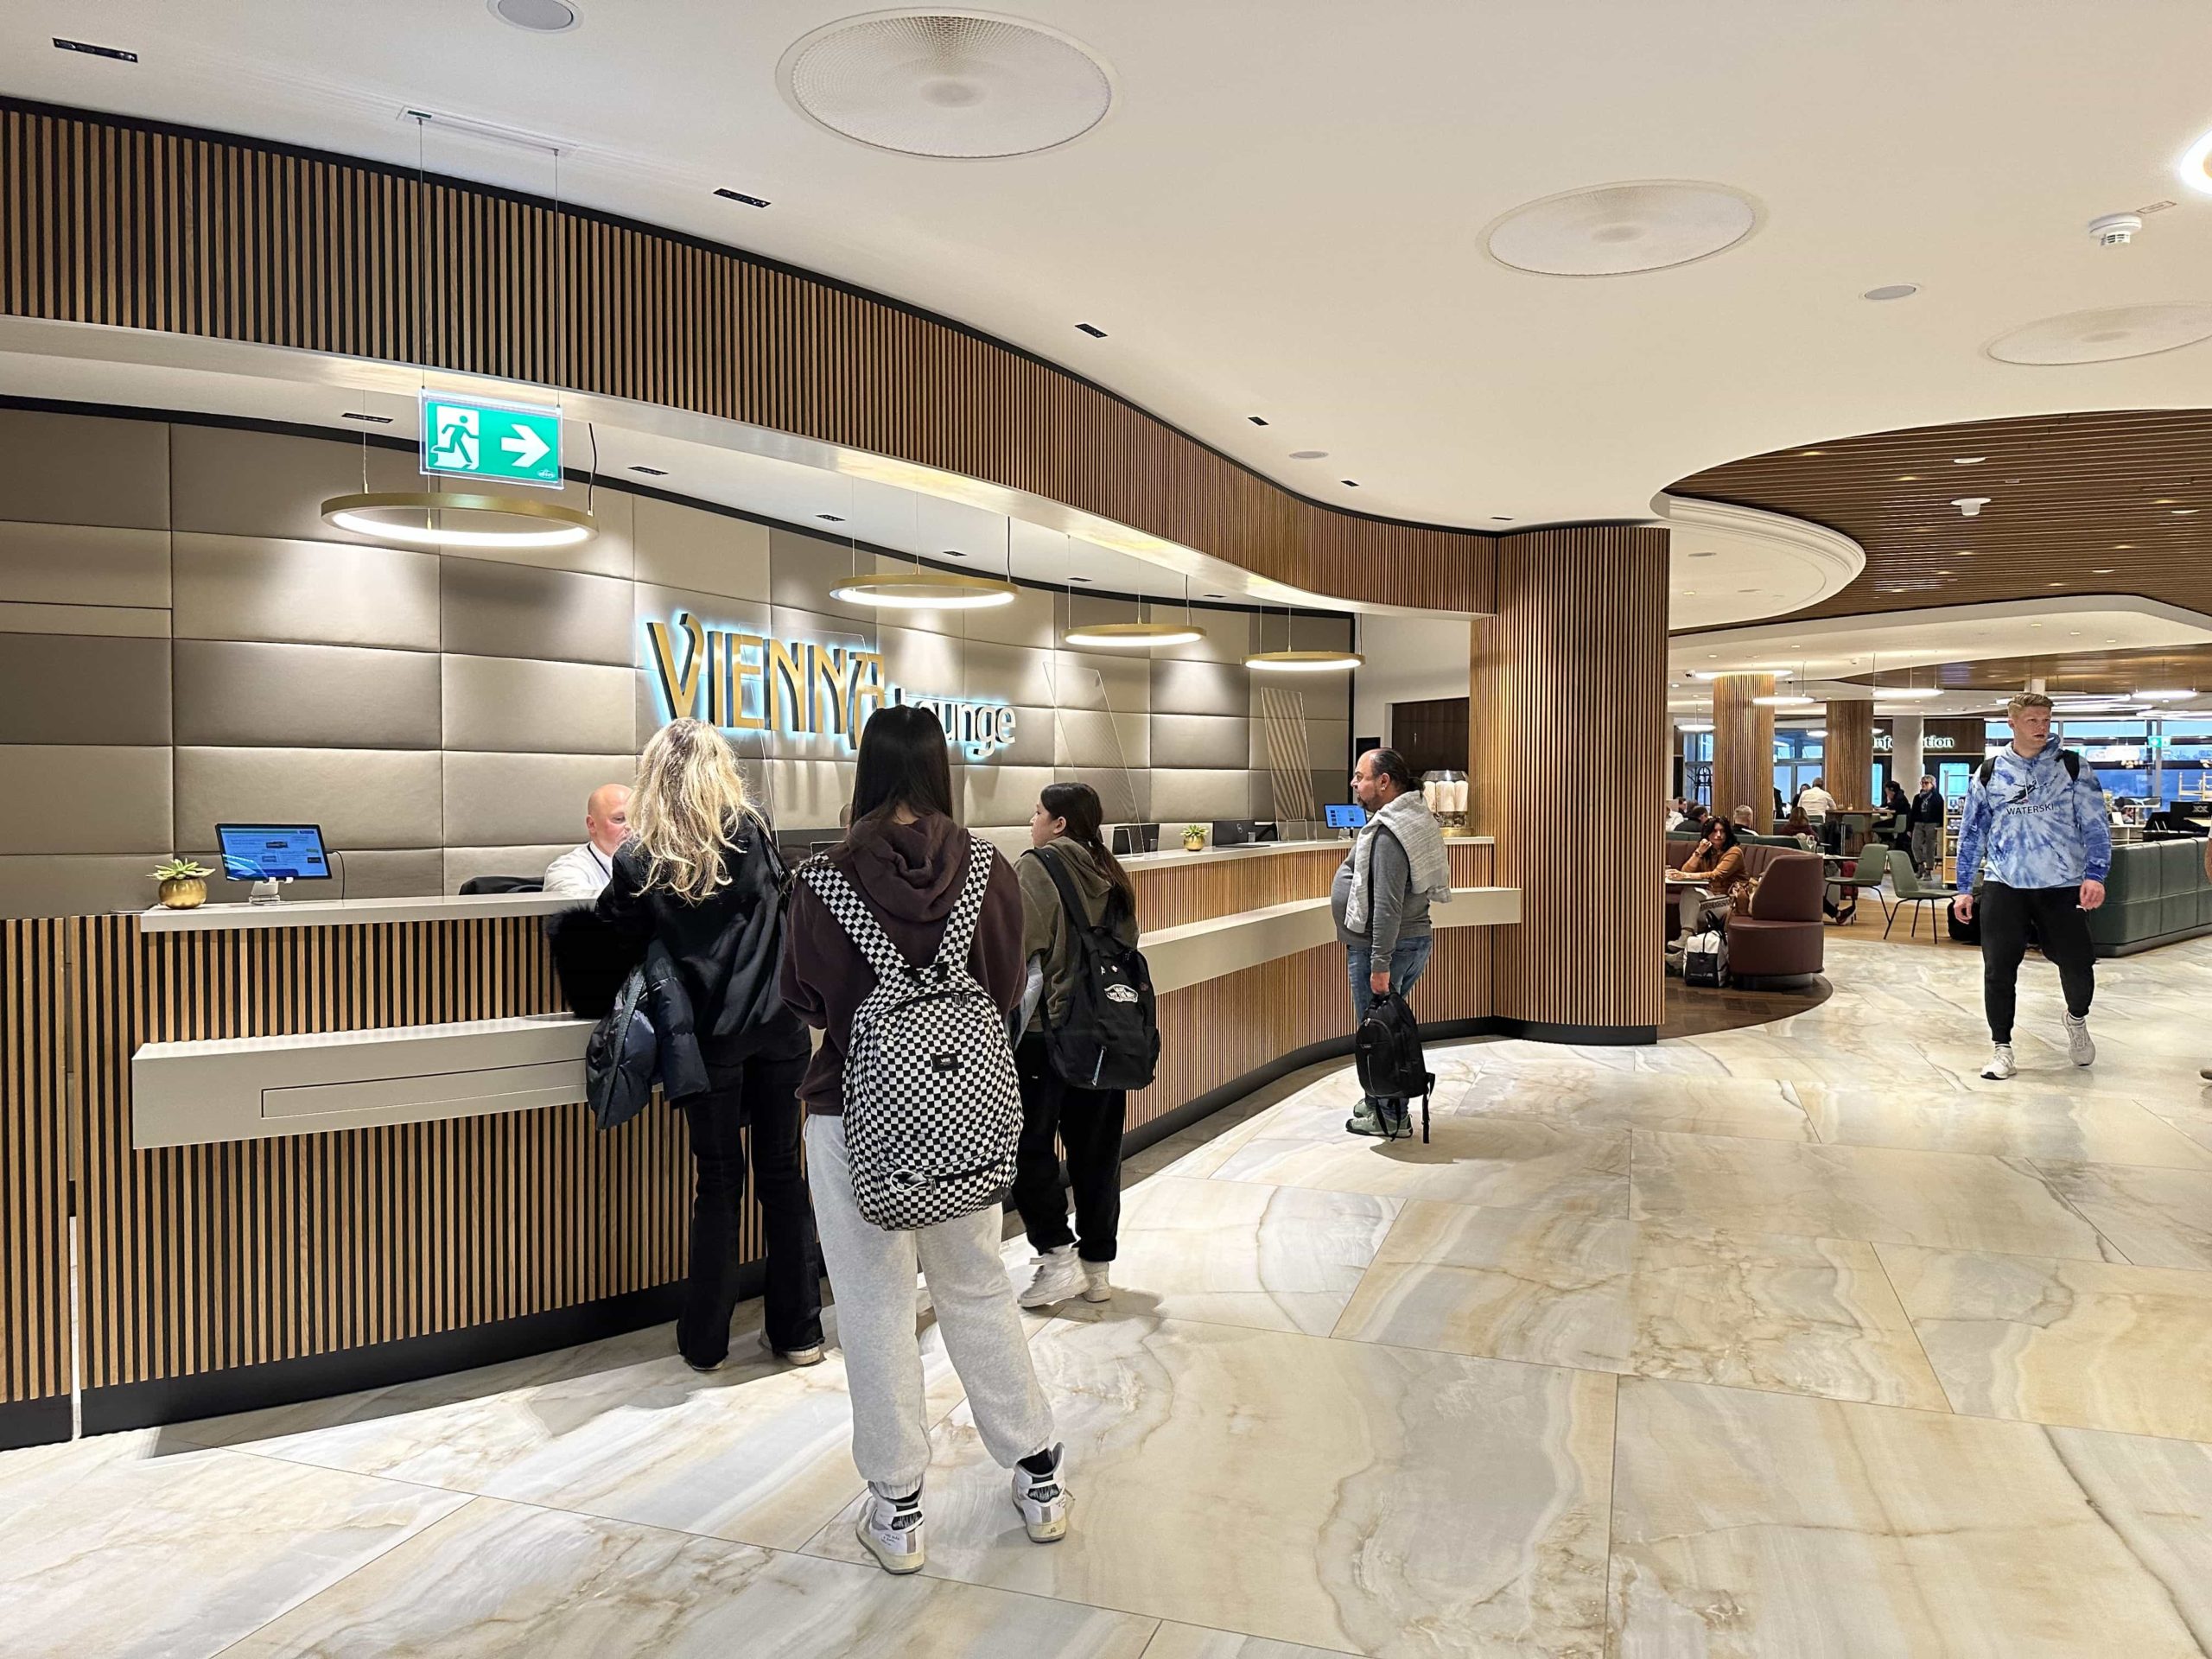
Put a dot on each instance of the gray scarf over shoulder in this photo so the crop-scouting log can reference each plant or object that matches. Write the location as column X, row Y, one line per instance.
column 1407, row 818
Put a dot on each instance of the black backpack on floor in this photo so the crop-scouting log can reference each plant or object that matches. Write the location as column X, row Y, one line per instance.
column 1388, row 1047
column 1110, row 1039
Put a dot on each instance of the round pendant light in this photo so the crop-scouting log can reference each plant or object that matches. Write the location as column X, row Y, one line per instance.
column 424, row 518
column 1304, row 662
column 919, row 592
column 1134, row 634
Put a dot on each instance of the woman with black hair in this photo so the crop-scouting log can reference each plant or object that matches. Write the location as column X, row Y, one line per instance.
column 1720, row 859
column 908, row 862
column 1065, row 828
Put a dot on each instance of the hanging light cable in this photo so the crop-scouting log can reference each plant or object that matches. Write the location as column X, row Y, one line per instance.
column 1288, row 661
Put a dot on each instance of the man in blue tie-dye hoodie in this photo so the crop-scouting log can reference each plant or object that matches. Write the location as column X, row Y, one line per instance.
column 2036, row 812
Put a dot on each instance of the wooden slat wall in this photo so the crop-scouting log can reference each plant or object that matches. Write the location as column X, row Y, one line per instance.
column 197, row 1259
column 1174, row 894
column 34, row 1162
column 1574, row 664
column 105, row 221
column 1743, row 744
column 1847, row 754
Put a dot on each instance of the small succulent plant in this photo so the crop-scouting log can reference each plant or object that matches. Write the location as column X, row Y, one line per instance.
column 181, row 869
column 1194, row 832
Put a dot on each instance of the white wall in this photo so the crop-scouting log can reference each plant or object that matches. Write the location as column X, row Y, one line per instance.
column 1409, row 659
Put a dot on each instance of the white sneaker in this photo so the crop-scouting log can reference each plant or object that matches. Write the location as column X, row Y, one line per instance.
column 2000, row 1064
column 891, row 1529
column 1097, row 1282
column 1059, row 1277
column 1043, row 1500
column 2079, row 1047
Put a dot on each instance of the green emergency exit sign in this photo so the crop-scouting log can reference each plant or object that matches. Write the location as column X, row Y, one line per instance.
column 505, row 443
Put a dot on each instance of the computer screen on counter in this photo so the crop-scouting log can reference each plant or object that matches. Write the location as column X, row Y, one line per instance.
column 272, row 852
column 1346, row 816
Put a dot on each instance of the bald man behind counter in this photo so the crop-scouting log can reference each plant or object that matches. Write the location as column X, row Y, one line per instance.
column 581, row 872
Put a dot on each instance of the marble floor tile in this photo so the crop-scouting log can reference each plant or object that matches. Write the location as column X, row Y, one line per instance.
column 2094, row 1344
column 2158, row 1218
column 1511, row 1163
column 1188, row 1642
column 1755, row 1524
column 759, row 1452
column 1279, row 1258
column 1806, row 1315
column 1334, row 1494
column 2070, row 1126
column 1583, row 1100
column 498, row 1579
column 175, row 1557
column 2187, row 1108
column 1947, row 1199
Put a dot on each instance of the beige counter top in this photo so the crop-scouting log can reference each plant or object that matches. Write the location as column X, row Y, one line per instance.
column 346, row 912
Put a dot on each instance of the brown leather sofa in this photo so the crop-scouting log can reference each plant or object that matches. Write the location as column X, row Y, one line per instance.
column 1782, row 940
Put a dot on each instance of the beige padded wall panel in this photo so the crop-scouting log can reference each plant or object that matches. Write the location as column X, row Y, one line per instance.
column 1117, row 680
column 804, row 794
column 1028, row 623
column 1017, row 674
column 1088, row 738
column 802, row 569
column 120, row 621
column 510, row 703
column 78, row 884
column 505, row 610
column 681, row 547
column 1035, row 742
column 241, row 694
column 512, row 800
column 326, row 593
column 1181, row 797
column 1231, row 635
column 1208, row 741
column 415, row 872
column 998, row 797
column 368, row 799
column 63, row 688
column 83, row 469
column 466, row 864
column 1124, row 793
column 83, row 565
column 1327, row 744
column 1193, row 685
column 607, row 554
column 76, row 798
column 230, row 482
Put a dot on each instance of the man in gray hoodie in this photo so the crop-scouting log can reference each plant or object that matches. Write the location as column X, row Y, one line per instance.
column 1380, row 906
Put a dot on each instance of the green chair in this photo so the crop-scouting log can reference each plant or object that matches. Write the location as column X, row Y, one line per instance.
column 1911, row 890
column 1872, row 865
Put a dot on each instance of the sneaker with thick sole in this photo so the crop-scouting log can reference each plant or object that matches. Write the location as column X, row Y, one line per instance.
column 891, row 1527
column 811, row 1355
column 1058, row 1278
column 2000, row 1064
column 1043, row 1500
column 2080, row 1047
column 1097, row 1282
column 1363, row 1121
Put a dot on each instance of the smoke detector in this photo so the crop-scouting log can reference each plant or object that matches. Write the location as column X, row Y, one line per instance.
column 1970, row 506
column 2115, row 230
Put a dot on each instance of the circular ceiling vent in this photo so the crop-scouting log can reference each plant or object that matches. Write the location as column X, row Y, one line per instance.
column 1614, row 229
column 538, row 17
column 2104, row 336
column 966, row 85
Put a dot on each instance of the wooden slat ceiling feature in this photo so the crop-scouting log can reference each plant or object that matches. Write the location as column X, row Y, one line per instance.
column 2089, row 670
column 2106, row 502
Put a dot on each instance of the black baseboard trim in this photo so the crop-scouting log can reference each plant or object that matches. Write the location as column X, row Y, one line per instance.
column 33, row 1422
column 1546, row 1030
column 287, row 1381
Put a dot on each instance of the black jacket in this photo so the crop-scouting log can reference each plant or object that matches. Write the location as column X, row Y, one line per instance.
column 1927, row 807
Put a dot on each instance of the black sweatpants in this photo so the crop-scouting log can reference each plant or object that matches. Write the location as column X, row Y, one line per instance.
column 2063, row 932
column 1089, row 1124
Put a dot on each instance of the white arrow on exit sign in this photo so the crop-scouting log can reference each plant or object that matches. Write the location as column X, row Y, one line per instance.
column 527, row 447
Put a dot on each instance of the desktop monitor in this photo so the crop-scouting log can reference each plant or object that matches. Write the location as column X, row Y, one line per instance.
column 272, row 852
column 1345, row 816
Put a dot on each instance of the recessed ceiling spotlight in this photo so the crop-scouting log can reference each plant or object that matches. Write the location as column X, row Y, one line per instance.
column 1078, row 578
column 2121, row 547
column 1812, row 452
column 2054, row 584
column 2104, row 336
column 955, row 553
column 1616, row 230
column 1348, row 483
column 1967, row 460
column 1256, row 420
column 1703, row 553
column 1213, row 595
column 1908, row 478
column 1090, row 328
column 2196, row 166
column 1971, row 506
column 1496, row 520
column 91, row 51
column 2185, row 513
column 652, row 472
column 740, row 196
column 830, row 519
column 372, row 420
column 1309, row 455
column 1891, row 291
column 538, row 17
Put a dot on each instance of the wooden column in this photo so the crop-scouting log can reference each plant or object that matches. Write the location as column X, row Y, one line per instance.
column 1743, row 746
column 1574, row 664
column 1848, row 751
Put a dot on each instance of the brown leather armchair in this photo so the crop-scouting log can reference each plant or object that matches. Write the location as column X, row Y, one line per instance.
column 1782, row 939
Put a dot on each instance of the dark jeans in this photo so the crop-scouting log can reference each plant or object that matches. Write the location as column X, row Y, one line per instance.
column 1089, row 1124
column 761, row 1095
column 2062, row 930
column 1407, row 963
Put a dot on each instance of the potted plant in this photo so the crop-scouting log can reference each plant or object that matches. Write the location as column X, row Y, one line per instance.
column 184, row 884
column 1194, row 837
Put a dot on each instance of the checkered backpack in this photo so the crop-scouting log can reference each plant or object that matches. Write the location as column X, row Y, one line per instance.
column 933, row 1109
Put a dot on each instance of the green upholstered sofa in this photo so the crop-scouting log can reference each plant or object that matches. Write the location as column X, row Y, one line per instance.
column 2157, row 894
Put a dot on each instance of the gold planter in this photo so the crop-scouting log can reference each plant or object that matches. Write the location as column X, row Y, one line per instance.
column 184, row 893
column 1194, row 844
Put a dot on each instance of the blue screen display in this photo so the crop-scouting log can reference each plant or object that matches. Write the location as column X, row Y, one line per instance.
column 272, row 852
column 1348, row 817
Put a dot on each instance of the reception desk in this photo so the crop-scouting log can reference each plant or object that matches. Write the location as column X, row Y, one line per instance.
column 324, row 1145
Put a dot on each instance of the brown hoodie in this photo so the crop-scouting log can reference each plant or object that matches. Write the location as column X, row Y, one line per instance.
column 910, row 875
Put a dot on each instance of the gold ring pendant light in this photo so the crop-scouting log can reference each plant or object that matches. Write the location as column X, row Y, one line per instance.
column 920, row 592
column 1299, row 662
column 1119, row 636
column 428, row 518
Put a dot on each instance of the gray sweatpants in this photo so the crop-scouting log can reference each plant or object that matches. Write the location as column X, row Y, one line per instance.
column 1927, row 849
column 872, row 1273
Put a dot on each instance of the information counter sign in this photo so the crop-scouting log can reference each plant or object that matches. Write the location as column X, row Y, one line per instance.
column 504, row 443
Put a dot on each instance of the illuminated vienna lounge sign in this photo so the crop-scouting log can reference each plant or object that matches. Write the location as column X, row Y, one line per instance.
column 749, row 682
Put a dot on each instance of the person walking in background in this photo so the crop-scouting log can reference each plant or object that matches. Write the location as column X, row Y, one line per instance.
column 1396, row 867
column 1065, row 828
column 699, row 873
column 2036, row 812
column 1926, row 818
column 909, row 864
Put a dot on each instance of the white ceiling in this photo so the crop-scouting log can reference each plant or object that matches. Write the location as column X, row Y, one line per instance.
column 1282, row 213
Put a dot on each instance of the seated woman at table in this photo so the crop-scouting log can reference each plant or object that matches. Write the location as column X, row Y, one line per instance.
column 1720, row 861
column 1802, row 827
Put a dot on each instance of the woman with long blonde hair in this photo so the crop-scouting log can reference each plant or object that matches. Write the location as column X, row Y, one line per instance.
column 700, row 876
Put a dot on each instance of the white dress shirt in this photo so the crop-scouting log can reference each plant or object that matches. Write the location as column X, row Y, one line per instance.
column 579, row 874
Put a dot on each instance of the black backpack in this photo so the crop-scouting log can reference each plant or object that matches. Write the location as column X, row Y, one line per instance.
column 1391, row 1066
column 1110, row 1039
column 2071, row 759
